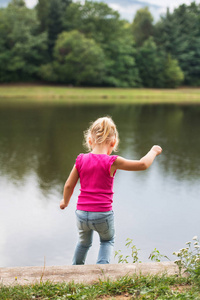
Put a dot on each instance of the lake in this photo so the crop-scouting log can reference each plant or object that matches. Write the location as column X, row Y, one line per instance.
column 157, row 208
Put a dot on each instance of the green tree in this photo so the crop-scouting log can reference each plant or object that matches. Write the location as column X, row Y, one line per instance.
column 142, row 26
column 42, row 9
column 77, row 60
column 101, row 23
column 54, row 22
column 21, row 50
column 173, row 75
column 95, row 19
column 51, row 16
column 178, row 33
column 121, row 69
column 150, row 63
column 65, row 4
column 18, row 3
column 156, row 69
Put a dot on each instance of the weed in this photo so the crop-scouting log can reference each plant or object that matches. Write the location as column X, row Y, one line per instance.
column 155, row 255
column 134, row 253
column 189, row 259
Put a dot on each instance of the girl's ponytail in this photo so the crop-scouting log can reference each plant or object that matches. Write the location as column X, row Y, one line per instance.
column 102, row 130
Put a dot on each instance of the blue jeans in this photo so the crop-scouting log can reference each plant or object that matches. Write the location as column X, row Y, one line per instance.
column 88, row 222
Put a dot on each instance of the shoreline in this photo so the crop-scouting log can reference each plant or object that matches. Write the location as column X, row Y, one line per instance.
column 86, row 274
column 46, row 94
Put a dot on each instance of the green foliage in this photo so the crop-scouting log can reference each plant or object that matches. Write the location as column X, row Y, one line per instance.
column 142, row 26
column 51, row 15
column 47, row 72
column 54, row 22
column 42, row 9
column 99, row 22
column 121, row 68
column 21, row 49
column 128, row 54
column 156, row 69
column 173, row 75
column 96, row 20
column 18, row 3
column 150, row 62
column 77, row 60
column 178, row 33
column 65, row 4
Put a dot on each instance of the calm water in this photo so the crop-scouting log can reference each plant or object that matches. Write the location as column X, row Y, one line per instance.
column 156, row 208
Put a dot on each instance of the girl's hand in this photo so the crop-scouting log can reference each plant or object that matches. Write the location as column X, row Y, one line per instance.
column 157, row 149
column 62, row 204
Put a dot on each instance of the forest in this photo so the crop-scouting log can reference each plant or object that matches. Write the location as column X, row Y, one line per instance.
column 75, row 44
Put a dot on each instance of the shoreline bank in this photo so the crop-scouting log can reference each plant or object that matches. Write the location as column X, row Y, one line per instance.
column 86, row 274
column 43, row 94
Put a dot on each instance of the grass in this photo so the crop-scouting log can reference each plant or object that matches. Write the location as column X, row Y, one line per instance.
column 69, row 95
column 129, row 287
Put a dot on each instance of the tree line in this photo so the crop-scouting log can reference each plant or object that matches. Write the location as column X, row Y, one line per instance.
column 61, row 41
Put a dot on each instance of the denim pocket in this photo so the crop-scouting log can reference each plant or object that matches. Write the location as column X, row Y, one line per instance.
column 101, row 227
column 105, row 227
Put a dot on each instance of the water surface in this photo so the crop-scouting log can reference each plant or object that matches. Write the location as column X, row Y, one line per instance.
column 158, row 208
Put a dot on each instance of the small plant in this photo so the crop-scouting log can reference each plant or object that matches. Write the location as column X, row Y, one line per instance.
column 134, row 253
column 189, row 258
column 155, row 255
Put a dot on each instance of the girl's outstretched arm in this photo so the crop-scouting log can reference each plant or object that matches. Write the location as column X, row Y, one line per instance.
column 136, row 165
column 69, row 188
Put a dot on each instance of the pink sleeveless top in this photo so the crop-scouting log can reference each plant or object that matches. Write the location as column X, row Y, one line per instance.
column 96, row 183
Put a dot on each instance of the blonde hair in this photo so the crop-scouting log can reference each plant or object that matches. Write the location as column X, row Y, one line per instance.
column 100, row 131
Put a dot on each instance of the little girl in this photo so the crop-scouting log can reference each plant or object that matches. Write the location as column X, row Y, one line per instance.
column 96, row 171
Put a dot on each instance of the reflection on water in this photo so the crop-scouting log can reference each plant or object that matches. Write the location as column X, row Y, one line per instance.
column 156, row 208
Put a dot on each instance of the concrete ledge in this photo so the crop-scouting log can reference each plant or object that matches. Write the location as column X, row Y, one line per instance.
column 82, row 274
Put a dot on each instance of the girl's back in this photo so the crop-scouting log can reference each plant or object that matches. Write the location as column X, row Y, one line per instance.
column 96, row 182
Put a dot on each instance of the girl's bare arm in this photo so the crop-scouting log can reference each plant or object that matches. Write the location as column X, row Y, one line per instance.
column 69, row 188
column 136, row 165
